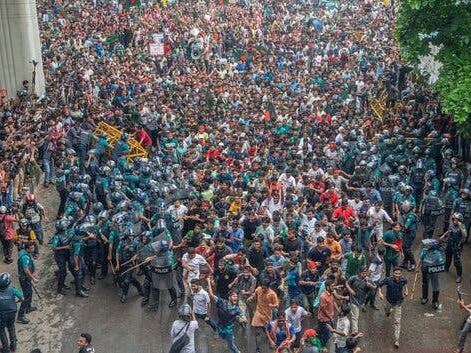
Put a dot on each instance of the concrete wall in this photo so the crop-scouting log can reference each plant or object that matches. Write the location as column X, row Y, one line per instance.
column 19, row 44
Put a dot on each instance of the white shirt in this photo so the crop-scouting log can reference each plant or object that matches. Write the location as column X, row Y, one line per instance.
column 177, row 213
column 377, row 217
column 201, row 302
column 308, row 225
column 376, row 269
column 355, row 205
column 272, row 205
column 343, row 325
column 194, row 265
column 295, row 318
column 178, row 330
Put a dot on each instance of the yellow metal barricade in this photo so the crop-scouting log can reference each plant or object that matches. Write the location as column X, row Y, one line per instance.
column 378, row 105
column 113, row 134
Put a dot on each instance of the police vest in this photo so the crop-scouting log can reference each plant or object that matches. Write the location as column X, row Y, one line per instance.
column 418, row 175
column 433, row 206
column 464, row 207
column 455, row 176
column 7, row 300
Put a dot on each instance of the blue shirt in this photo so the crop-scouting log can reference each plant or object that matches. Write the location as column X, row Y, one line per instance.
column 394, row 289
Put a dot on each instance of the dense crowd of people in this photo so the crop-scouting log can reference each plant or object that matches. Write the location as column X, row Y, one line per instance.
column 271, row 190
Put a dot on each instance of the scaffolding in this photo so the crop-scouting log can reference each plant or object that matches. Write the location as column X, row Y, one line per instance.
column 113, row 135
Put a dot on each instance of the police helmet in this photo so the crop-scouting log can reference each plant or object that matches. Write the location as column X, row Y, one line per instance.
column 116, row 197
column 23, row 222
column 85, row 179
column 5, row 280
column 111, row 164
column 75, row 195
column 164, row 245
column 406, row 206
column 3, row 209
column 62, row 224
column 123, row 206
column 90, row 219
column 98, row 207
column 402, row 167
column 465, row 191
column 458, row 216
column 362, row 163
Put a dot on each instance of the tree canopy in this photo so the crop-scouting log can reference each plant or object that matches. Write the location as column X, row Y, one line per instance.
column 435, row 37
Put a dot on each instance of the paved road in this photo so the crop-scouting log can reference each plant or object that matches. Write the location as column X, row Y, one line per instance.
column 127, row 328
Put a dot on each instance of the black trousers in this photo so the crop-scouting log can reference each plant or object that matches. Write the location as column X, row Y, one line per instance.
column 62, row 258
column 27, row 289
column 63, row 199
column 7, row 248
column 455, row 254
column 7, row 321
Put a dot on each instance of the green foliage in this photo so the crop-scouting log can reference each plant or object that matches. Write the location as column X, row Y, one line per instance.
column 446, row 23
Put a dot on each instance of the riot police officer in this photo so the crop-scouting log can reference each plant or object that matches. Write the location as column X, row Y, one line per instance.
column 76, row 264
column 162, row 273
column 454, row 244
column 450, row 196
column 418, row 178
column 463, row 205
column 409, row 224
column 91, row 246
column 8, row 296
column 145, row 250
column 125, row 256
column 61, row 243
column 431, row 208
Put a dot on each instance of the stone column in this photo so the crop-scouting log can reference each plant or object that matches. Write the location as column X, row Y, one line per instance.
column 19, row 45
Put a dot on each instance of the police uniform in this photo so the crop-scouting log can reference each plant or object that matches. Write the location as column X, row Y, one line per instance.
column 409, row 223
column 451, row 195
column 454, row 245
column 162, row 273
column 126, row 250
column 25, row 262
column 463, row 206
column 61, row 256
column 8, row 310
column 76, row 265
column 432, row 207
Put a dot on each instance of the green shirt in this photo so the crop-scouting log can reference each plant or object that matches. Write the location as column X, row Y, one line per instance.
column 25, row 262
column 354, row 264
column 391, row 237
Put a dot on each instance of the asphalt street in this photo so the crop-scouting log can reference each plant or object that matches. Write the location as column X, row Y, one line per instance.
column 128, row 328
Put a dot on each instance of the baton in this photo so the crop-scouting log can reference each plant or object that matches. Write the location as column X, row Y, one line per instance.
column 112, row 267
column 35, row 290
column 136, row 266
column 416, row 277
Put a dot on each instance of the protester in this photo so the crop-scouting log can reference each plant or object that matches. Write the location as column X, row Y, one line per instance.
column 85, row 343
column 266, row 162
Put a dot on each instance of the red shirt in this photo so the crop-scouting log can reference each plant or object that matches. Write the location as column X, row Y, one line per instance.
column 331, row 196
column 144, row 136
column 326, row 307
column 345, row 213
